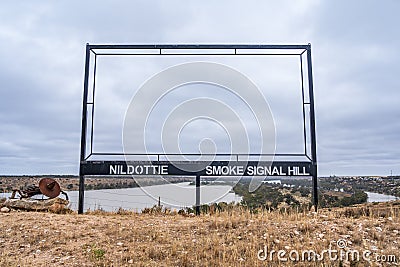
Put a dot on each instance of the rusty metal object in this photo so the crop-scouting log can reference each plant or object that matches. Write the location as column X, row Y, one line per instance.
column 47, row 186
column 31, row 190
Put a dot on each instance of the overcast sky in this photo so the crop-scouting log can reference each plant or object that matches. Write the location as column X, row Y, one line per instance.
column 355, row 49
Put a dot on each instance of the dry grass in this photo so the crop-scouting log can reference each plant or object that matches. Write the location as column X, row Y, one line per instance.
column 223, row 239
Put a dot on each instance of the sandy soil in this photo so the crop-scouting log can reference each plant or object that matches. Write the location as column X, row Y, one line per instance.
column 234, row 238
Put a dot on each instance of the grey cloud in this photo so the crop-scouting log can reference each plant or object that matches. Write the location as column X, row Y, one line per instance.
column 355, row 56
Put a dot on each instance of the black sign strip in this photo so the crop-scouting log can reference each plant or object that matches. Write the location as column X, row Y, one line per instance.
column 193, row 168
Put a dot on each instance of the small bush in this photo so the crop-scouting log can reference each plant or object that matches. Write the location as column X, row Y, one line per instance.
column 59, row 209
column 98, row 253
column 153, row 210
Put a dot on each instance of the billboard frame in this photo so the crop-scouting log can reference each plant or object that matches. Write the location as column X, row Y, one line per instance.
column 88, row 167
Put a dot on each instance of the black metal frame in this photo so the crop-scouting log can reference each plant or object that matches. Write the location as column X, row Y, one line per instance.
column 87, row 167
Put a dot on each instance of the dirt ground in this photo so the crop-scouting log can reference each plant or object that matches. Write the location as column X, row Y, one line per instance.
column 233, row 238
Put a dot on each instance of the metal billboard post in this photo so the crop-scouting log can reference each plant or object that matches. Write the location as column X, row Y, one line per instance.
column 83, row 131
column 198, row 194
column 312, row 129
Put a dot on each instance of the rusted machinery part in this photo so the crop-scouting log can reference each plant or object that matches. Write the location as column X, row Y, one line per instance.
column 49, row 187
column 15, row 191
column 26, row 193
column 31, row 191
column 65, row 194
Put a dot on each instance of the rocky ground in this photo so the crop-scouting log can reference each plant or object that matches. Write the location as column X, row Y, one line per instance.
column 231, row 238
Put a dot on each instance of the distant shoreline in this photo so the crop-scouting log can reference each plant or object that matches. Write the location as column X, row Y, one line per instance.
column 71, row 182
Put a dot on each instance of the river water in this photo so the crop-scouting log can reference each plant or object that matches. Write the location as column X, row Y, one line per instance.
column 376, row 197
column 173, row 196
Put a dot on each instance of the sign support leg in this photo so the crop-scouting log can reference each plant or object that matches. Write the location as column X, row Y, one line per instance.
column 81, row 193
column 315, row 188
column 312, row 129
column 83, row 130
column 197, row 195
